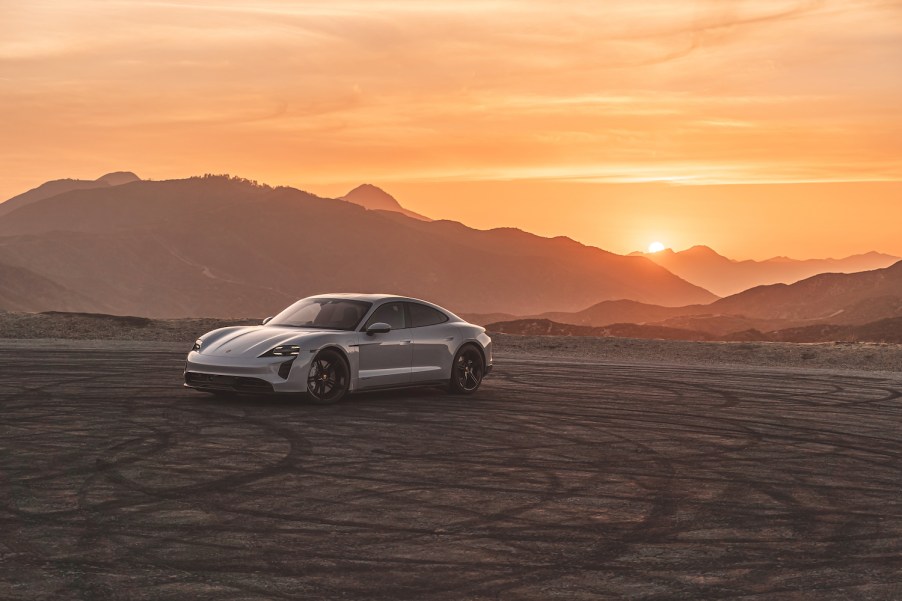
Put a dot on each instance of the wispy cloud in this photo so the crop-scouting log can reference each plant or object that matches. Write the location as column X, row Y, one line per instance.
column 665, row 90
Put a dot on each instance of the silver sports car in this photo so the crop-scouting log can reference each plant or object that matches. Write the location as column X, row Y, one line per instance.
column 327, row 346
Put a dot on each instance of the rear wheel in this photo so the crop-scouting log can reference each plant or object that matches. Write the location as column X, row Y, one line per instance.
column 467, row 370
column 329, row 378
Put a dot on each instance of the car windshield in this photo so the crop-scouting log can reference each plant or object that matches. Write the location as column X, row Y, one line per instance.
column 323, row 313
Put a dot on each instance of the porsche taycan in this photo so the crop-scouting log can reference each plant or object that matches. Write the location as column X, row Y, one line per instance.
column 328, row 346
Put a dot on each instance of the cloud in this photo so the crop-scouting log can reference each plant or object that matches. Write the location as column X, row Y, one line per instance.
column 682, row 91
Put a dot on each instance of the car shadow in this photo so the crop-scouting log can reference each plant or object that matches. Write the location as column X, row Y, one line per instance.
column 388, row 396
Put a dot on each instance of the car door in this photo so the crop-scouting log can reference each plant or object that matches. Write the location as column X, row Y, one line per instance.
column 433, row 343
column 385, row 359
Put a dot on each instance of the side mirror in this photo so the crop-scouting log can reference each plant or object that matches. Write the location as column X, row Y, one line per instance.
column 378, row 328
column 267, row 320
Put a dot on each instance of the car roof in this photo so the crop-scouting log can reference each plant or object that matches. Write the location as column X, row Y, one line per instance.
column 374, row 298
column 367, row 297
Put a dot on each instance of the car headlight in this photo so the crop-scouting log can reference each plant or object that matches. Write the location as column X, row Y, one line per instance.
column 283, row 350
column 197, row 344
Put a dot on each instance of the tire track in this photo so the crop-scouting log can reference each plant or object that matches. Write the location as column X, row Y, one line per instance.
column 558, row 479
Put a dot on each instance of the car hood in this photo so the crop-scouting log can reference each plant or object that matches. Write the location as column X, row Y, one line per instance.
column 253, row 341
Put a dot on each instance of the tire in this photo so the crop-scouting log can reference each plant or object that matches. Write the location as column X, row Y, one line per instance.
column 329, row 378
column 467, row 370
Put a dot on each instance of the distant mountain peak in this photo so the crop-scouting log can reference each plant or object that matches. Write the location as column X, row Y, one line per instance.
column 701, row 250
column 372, row 197
column 117, row 178
column 371, row 188
column 698, row 251
column 375, row 198
column 62, row 186
column 873, row 254
column 661, row 253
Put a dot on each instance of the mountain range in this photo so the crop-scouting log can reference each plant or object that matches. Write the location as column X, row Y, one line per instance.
column 218, row 246
column 843, row 306
column 704, row 267
column 885, row 330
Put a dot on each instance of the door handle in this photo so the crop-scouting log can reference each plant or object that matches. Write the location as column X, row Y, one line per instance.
column 406, row 341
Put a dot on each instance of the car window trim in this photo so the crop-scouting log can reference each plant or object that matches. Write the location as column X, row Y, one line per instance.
column 410, row 315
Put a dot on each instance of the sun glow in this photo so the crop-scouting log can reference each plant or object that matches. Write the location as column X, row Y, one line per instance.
column 656, row 247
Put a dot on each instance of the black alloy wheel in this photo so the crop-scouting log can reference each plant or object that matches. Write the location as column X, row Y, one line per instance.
column 467, row 371
column 329, row 378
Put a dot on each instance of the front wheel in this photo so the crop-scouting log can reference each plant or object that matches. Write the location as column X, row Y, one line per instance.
column 467, row 370
column 329, row 378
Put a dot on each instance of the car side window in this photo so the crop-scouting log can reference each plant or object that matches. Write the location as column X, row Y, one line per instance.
column 421, row 315
column 390, row 313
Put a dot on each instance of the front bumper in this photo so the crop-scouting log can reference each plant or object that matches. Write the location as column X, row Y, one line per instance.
column 251, row 375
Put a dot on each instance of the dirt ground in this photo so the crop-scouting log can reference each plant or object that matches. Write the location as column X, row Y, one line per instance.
column 833, row 356
column 563, row 478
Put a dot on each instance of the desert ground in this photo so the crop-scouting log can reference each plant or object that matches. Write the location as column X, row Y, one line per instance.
column 583, row 469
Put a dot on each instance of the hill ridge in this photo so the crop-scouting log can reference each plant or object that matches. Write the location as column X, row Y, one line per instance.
column 149, row 248
column 724, row 276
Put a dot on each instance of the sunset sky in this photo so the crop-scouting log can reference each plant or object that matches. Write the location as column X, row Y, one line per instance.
column 761, row 128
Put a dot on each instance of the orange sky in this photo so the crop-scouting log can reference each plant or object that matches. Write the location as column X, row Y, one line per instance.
column 543, row 115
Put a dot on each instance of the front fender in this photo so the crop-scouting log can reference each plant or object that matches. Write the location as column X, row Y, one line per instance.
column 345, row 343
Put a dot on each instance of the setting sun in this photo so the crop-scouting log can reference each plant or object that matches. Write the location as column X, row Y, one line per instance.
column 656, row 247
